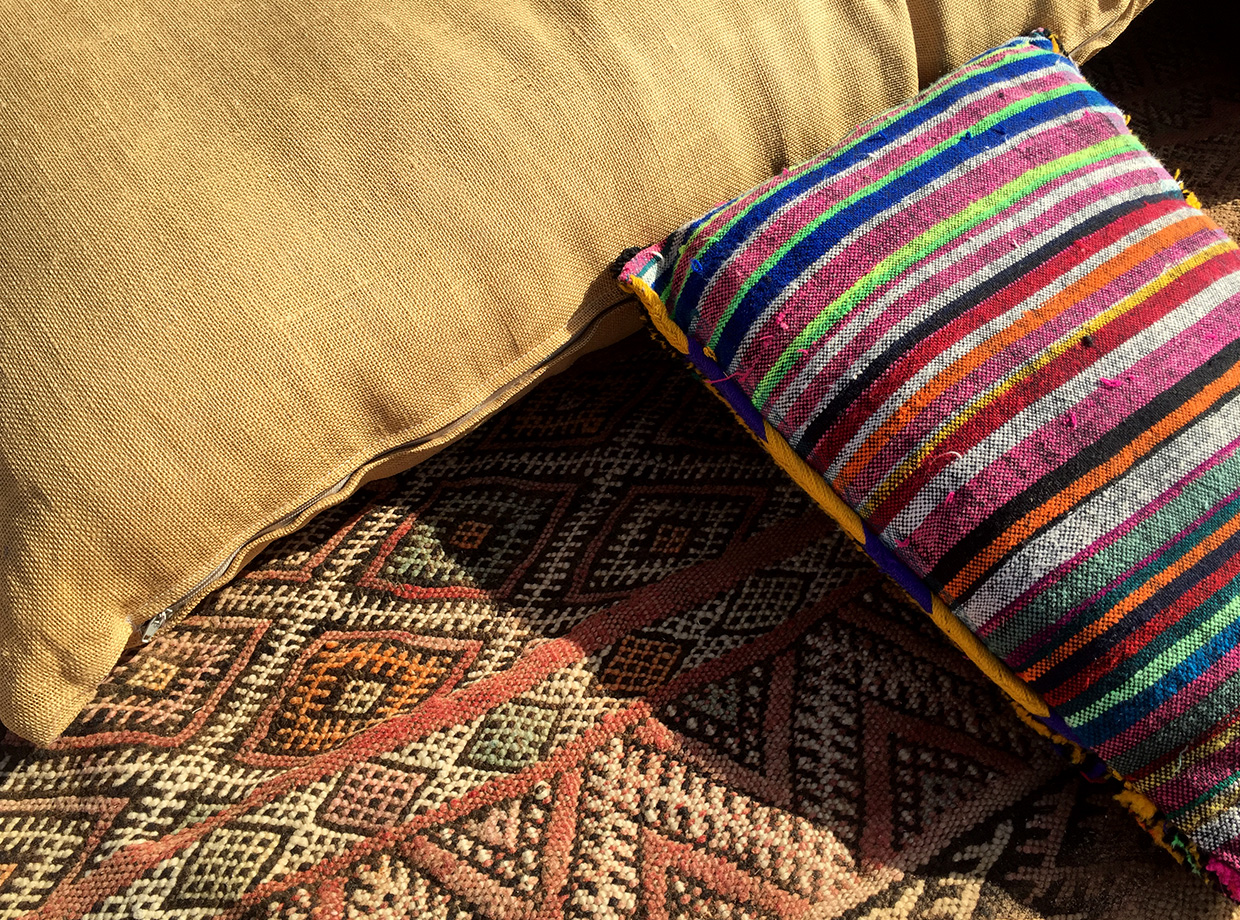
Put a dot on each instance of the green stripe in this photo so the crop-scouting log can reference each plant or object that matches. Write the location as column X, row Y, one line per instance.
column 1164, row 663
column 984, row 125
column 935, row 238
column 1122, row 555
column 1210, row 793
column 937, row 91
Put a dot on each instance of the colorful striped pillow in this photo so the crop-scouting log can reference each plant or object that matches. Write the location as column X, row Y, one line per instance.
column 991, row 337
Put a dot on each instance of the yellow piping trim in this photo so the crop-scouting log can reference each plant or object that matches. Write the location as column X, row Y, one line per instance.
column 658, row 312
column 1133, row 799
column 820, row 491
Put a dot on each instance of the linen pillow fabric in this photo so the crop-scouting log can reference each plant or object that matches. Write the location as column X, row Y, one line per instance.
column 253, row 254
column 990, row 335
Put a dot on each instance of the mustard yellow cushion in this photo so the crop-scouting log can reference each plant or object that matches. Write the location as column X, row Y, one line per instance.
column 253, row 254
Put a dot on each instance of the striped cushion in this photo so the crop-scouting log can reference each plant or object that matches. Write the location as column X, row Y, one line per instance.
column 990, row 321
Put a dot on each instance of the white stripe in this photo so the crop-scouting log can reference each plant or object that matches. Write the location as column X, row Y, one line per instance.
column 1218, row 831
column 1123, row 497
column 923, row 273
column 863, row 164
column 952, row 356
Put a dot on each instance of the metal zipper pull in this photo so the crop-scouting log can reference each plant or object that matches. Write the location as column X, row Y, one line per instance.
column 154, row 624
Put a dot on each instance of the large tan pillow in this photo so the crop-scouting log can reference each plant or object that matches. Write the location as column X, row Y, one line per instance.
column 254, row 254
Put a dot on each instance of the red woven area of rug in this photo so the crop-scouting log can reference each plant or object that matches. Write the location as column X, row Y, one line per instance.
column 599, row 660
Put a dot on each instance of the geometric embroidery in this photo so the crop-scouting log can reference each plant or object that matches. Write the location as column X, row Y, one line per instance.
column 36, row 850
column 658, row 529
column 511, row 736
column 225, row 864
column 370, row 798
column 154, row 674
column 761, row 603
column 166, row 695
column 476, row 536
column 345, row 683
column 728, row 715
column 472, row 537
column 670, row 539
column 639, row 663
column 45, row 842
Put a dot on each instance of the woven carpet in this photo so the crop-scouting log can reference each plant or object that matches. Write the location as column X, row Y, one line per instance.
column 598, row 660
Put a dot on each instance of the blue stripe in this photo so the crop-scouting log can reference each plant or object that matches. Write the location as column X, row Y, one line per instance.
column 683, row 308
column 1135, row 619
column 1127, row 713
column 829, row 234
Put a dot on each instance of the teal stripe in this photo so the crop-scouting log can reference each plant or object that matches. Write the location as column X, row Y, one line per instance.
column 1153, row 673
column 1196, row 497
column 1210, row 793
column 1168, row 555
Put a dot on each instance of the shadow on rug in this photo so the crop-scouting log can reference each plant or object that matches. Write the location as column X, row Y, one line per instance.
column 598, row 660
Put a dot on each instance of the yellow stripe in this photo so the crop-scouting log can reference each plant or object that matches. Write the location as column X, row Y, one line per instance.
column 820, row 491
column 1189, row 758
column 1206, row 810
column 961, row 416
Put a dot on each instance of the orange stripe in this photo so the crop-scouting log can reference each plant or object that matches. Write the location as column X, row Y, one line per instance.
column 1130, row 603
column 963, row 414
column 1097, row 279
column 1064, row 500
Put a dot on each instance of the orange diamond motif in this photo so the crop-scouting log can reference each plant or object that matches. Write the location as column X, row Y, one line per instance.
column 670, row 539
column 640, row 663
column 470, row 534
column 347, row 682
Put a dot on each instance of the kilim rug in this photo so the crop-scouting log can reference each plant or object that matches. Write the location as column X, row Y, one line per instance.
column 598, row 660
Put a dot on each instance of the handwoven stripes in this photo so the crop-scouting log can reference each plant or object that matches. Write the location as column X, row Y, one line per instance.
column 993, row 324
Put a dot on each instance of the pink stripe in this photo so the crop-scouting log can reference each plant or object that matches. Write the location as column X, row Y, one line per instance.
column 707, row 230
column 1188, row 696
column 1049, row 447
column 835, row 189
column 841, row 363
column 848, row 264
column 1196, row 779
column 1147, row 382
column 1017, row 658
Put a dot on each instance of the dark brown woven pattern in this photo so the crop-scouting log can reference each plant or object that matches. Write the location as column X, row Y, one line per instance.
column 1174, row 70
column 597, row 661
column 600, row 660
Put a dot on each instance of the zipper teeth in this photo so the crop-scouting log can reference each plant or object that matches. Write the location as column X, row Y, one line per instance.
column 169, row 615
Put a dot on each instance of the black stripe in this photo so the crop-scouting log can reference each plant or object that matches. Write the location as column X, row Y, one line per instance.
column 1074, row 468
column 1162, row 599
column 829, row 414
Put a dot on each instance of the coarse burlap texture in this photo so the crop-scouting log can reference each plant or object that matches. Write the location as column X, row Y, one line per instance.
column 251, row 254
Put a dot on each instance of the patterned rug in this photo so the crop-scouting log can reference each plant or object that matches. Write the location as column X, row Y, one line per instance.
column 599, row 660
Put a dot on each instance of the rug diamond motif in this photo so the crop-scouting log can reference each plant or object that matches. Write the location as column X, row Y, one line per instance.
column 225, row 864
column 371, row 798
column 345, row 683
column 480, row 534
column 512, row 736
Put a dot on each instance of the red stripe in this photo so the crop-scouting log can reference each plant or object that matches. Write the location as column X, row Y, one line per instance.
column 1108, row 660
column 1053, row 375
column 998, row 303
column 1217, row 730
